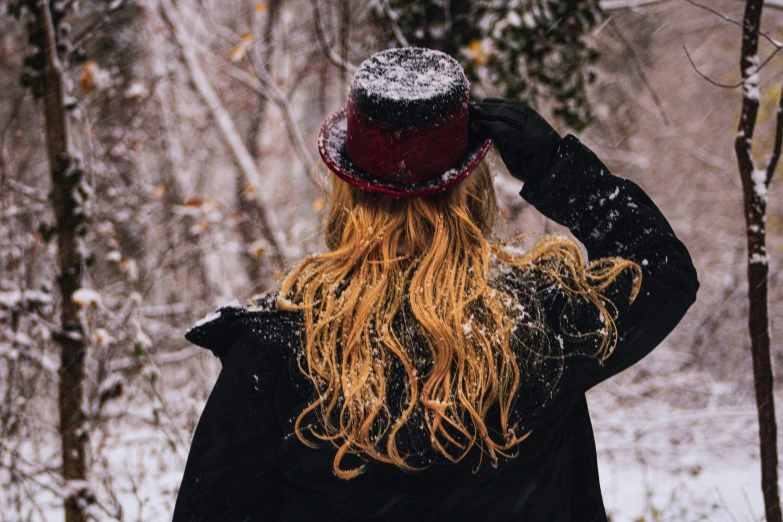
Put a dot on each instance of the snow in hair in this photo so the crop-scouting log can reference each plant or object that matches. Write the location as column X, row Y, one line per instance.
column 405, row 295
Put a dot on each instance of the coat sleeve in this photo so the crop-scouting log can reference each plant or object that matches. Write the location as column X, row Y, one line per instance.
column 232, row 472
column 613, row 217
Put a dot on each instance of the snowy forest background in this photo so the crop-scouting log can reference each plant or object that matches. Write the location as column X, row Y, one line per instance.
column 192, row 131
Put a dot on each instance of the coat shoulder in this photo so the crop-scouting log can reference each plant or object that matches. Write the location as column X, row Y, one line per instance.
column 258, row 318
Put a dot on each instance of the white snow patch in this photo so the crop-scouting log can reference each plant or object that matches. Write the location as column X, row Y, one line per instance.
column 142, row 339
column 759, row 177
column 12, row 298
column 85, row 297
column 401, row 75
column 136, row 92
column 750, row 87
column 762, row 259
column 110, row 382
column 207, row 319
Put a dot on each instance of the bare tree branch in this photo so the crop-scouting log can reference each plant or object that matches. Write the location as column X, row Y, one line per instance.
column 326, row 47
column 710, row 80
column 100, row 19
column 158, row 359
column 608, row 5
column 773, row 160
column 276, row 235
column 731, row 20
column 637, row 60
column 392, row 15
column 26, row 191
column 263, row 85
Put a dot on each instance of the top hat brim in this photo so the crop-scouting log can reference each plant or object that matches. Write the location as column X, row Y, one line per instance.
column 331, row 146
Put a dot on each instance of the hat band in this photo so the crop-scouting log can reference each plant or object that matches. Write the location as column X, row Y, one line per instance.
column 406, row 154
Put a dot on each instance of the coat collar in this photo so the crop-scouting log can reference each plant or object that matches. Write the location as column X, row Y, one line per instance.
column 218, row 330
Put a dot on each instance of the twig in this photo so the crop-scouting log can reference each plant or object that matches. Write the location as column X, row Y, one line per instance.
column 261, row 83
column 608, row 5
column 717, row 13
column 776, row 44
column 773, row 160
column 166, row 309
column 326, row 47
column 738, row 84
column 710, row 80
column 394, row 25
column 160, row 359
column 276, row 236
column 99, row 21
column 28, row 192
column 345, row 27
column 639, row 68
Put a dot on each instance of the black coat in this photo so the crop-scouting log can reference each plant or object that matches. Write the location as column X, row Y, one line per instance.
column 246, row 465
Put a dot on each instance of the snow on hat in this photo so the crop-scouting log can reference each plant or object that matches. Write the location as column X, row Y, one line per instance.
column 405, row 128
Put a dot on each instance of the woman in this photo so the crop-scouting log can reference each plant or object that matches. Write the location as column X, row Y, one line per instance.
column 417, row 370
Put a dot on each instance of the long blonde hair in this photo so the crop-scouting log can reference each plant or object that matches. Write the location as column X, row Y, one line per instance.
column 429, row 256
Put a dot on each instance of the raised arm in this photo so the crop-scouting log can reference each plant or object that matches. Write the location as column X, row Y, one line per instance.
column 613, row 217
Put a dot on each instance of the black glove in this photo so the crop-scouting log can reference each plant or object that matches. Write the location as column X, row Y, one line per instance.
column 526, row 142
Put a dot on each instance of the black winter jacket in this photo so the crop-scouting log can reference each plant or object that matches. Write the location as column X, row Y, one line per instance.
column 246, row 465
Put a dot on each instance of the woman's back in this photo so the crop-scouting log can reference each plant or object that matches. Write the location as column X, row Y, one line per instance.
column 247, row 463
column 416, row 370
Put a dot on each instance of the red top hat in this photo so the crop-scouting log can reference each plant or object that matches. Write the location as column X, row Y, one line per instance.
column 405, row 129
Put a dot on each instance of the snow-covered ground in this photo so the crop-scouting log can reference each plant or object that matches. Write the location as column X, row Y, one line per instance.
column 664, row 461
column 672, row 447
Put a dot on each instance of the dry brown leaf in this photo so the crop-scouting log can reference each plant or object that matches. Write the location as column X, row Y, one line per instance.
column 103, row 337
column 260, row 7
column 240, row 50
column 478, row 52
column 87, row 80
column 194, row 202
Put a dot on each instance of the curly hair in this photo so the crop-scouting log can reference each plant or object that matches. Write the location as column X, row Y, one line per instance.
column 428, row 256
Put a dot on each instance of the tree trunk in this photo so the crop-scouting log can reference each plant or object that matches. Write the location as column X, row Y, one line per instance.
column 67, row 197
column 754, row 188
